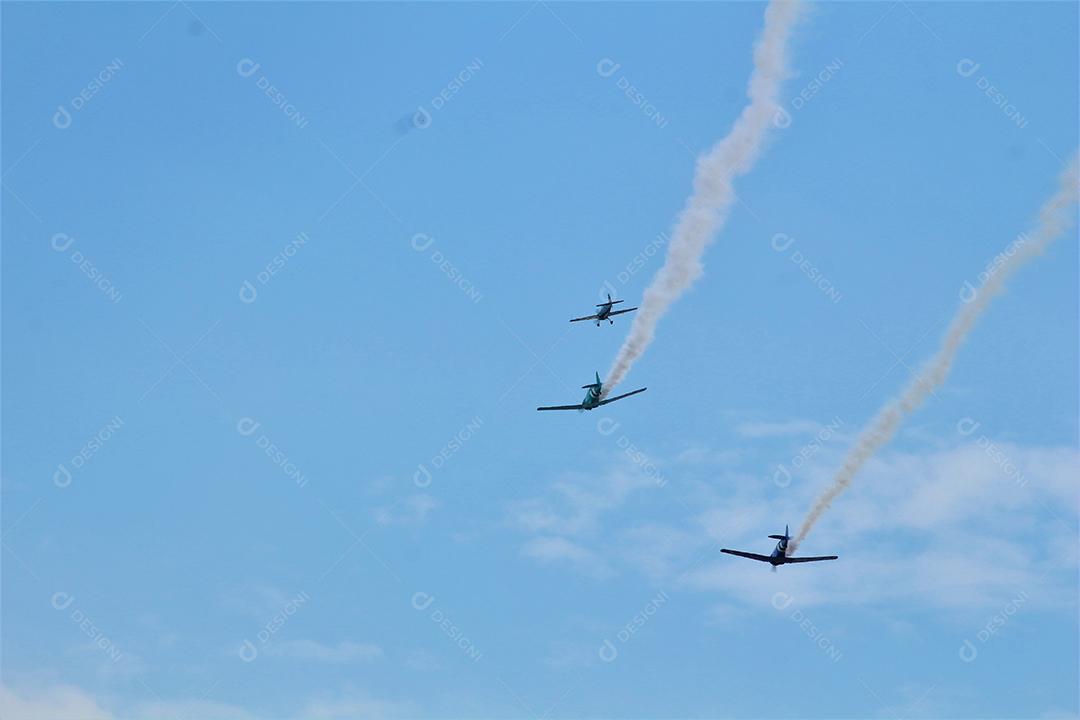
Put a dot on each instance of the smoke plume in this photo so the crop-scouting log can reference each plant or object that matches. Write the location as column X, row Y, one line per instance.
column 1054, row 219
column 709, row 205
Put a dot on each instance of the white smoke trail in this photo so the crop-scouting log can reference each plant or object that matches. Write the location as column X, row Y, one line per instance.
column 1054, row 220
column 709, row 205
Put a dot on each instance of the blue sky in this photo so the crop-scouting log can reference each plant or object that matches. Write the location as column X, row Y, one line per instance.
column 332, row 496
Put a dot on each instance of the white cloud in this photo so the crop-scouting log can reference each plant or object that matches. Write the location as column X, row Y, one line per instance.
column 958, row 528
column 399, row 505
column 575, row 504
column 550, row 549
column 654, row 548
column 422, row 660
column 173, row 709
column 570, row 514
column 66, row 702
column 56, row 702
column 356, row 705
column 952, row 528
column 412, row 510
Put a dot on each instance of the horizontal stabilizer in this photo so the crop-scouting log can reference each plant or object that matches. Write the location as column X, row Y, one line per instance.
column 609, row 302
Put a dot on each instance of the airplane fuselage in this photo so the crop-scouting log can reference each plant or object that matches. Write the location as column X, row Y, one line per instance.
column 603, row 312
column 779, row 555
column 591, row 399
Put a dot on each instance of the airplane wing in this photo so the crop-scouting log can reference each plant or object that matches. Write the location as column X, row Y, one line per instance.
column 620, row 397
column 620, row 312
column 587, row 317
column 563, row 407
column 752, row 556
column 811, row 559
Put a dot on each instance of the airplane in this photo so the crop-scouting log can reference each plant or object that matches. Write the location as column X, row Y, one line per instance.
column 592, row 398
column 779, row 555
column 605, row 313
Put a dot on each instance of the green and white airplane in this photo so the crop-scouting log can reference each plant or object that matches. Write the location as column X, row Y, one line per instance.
column 592, row 398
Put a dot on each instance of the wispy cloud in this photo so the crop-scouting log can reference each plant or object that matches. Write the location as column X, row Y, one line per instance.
column 54, row 702
column 962, row 526
column 575, row 504
column 172, row 709
column 410, row 511
column 551, row 549
column 356, row 705
column 569, row 516
column 66, row 702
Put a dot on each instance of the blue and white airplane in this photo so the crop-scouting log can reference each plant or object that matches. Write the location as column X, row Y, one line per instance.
column 779, row 555
column 592, row 398
column 605, row 312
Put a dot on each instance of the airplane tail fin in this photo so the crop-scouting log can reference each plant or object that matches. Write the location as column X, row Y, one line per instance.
column 785, row 536
column 596, row 384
